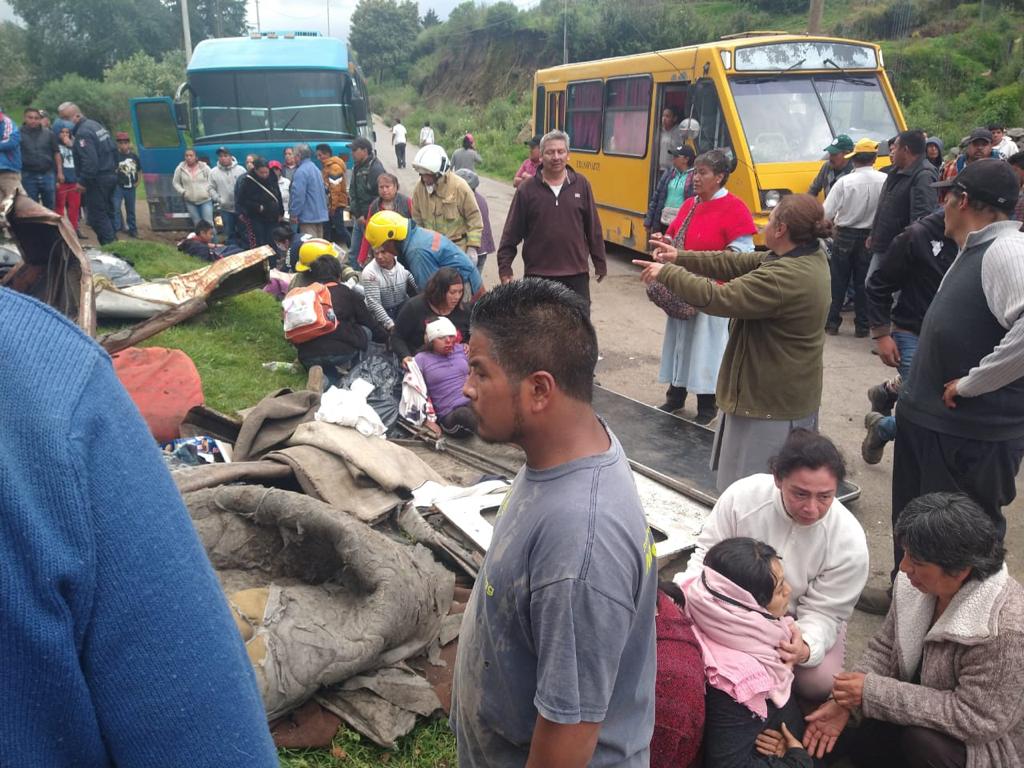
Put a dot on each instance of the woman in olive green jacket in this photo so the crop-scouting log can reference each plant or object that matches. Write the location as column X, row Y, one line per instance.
column 771, row 375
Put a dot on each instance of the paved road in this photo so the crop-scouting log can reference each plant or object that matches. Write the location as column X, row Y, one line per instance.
column 630, row 330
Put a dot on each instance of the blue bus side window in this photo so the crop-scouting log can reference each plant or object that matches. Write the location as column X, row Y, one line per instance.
column 157, row 127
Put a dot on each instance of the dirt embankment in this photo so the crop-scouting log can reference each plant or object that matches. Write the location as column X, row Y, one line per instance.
column 487, row 66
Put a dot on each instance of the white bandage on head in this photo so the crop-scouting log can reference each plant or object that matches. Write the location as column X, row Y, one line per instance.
column 440, row 328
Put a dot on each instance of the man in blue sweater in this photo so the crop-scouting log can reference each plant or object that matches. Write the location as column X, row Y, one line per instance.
column 307, row 203
column 119, row 648
column 10, row 156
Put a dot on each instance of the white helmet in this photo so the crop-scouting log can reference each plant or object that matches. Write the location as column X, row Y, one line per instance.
column 431, row 159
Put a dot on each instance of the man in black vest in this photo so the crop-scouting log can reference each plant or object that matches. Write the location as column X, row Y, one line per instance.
column 961, row 410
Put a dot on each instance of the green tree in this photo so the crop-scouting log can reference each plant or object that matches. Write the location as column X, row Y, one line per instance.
column 17, row 83
column 381, row 34
column 85, row 36
column 103, row 101
column 430, row 19
column 145, row 76
column 213, row 18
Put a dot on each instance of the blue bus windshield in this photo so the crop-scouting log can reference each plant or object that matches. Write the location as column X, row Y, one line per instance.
column 271, row 105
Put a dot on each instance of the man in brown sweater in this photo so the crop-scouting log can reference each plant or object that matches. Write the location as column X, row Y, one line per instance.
column 554, row 215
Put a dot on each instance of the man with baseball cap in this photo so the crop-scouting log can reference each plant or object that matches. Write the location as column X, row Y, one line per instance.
column 978, row 147
column 835, row 167
column 531, row 164
column 129, row 167
column 850, row 206
column 961, row 409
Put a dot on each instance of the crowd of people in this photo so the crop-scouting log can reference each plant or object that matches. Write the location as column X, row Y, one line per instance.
column 571, row 651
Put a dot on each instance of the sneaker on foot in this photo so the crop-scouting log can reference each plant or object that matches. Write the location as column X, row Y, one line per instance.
column 832, row 330
column 670, row 406
column 882, row 399
column 873, row 447
column 875, row 601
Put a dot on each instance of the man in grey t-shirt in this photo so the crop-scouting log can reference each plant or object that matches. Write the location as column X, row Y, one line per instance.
column 556, row 657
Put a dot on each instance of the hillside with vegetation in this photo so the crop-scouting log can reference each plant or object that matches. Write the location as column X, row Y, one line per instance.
column 953, row 65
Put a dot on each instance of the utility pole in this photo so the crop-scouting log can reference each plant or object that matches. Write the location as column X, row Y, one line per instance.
column 565, row 32
column 186, row 30
column 328, row 18
column 814, row 17
column 259, row 29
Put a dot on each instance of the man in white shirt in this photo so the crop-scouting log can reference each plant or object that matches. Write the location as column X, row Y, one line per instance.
column 398, row 139
column 850, row 205
column 822, row 546
column 1001, row 143
column 426, row 134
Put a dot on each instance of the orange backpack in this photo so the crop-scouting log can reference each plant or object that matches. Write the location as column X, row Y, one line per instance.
column 308, row 313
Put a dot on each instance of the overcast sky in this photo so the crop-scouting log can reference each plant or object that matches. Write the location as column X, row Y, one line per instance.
column 312, row 14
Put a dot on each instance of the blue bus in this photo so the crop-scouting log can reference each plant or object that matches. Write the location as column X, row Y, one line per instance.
column 256, row 94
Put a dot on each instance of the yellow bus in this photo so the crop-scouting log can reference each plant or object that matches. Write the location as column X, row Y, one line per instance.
column 775, row 100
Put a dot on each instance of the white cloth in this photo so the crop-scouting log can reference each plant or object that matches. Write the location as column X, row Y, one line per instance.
column 286, row 192
column 348, row 408
column 426, row 135
column 415, row 405
column 398, row 134
column 826, row 564
column 438, row 329
column 853, row 199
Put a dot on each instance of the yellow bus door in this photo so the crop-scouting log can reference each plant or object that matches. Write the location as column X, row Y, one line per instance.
column 674, row 96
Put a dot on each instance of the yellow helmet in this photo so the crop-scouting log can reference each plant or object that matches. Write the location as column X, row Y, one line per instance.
column 313, row 249
column 384, row 226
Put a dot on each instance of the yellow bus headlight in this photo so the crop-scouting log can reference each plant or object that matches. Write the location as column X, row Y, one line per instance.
column 771, row 197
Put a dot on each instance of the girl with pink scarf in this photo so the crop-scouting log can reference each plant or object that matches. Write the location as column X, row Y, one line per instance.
column 738, row 605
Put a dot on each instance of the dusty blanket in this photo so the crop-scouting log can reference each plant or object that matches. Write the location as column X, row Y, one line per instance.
column 391, row 466
column 273, row 420
column 364, row 476
column 323, row 597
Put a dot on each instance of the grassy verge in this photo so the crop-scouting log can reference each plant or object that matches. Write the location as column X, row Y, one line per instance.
column 431, row 745
column 229, row 342
column 499, row 127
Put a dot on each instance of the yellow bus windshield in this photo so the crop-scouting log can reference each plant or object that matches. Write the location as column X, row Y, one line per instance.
column 791, row 118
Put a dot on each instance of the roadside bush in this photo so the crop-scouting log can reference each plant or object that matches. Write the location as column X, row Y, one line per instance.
column 1003, row 105
column 103, row 101
column 881, row 22
column 146, row 76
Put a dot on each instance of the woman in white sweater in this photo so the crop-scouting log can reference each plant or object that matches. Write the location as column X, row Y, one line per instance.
column 822, row 546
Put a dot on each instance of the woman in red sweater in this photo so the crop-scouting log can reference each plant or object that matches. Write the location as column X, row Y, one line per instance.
column 712, row 220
